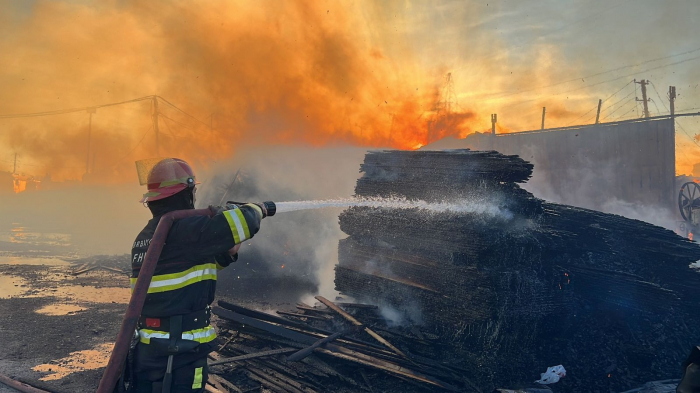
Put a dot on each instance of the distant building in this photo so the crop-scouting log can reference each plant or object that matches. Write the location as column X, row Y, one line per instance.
column 632, row 162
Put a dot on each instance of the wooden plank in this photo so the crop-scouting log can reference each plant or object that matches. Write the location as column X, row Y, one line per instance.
column 392, row 368
column 297, row 356
column 268, row 317
column 211, row 389
column 299, row 315
column 233, row 336
column 358, row 305
column 314, row 309
column 223, row 382
column 253, row 355
column 280, row 379
column 355, row 322
column 266, row 382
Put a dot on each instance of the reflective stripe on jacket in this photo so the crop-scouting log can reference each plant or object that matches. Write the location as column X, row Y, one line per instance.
column 184, row 280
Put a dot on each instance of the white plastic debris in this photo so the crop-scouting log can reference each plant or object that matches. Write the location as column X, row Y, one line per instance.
column 552, row 375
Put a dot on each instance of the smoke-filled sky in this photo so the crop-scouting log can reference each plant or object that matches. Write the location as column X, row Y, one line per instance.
column 326, row 73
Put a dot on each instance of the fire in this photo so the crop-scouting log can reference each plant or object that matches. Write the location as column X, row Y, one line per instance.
column 690, row 235
column 282, row 267
column 272, row 73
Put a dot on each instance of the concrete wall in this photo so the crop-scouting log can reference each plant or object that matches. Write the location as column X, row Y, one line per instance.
column 631, row 162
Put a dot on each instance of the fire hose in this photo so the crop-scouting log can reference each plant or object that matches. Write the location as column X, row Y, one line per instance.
column 138, row 295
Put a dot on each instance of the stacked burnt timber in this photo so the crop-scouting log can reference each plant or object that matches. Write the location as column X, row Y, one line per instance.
column 512, row 284
column 321, row 349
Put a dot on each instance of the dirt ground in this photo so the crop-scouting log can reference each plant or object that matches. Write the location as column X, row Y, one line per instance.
column 59, row 328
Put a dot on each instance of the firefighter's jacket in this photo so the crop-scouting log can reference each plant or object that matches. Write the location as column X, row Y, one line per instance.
column 184, row 281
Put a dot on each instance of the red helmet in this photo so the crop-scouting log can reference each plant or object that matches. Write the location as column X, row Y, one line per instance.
column 165, row 177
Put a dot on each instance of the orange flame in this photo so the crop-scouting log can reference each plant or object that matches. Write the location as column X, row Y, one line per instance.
column 282, row 73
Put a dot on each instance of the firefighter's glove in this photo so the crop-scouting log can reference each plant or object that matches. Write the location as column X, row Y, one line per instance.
column 216, row 209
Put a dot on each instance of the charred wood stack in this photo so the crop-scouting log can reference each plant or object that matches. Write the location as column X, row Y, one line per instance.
column 322, row 348
column 512, row 284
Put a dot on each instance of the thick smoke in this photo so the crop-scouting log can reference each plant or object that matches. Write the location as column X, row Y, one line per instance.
column 589, row 186
column 293, row 73
column 301, row 245
column 284, row 73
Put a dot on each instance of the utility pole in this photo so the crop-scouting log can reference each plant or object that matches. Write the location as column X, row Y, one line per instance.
column 494, row 119
column 644, row 99
column 597, row 115
column 544, row 110
column 672, row 99
column 90, row 111
column 155, row 124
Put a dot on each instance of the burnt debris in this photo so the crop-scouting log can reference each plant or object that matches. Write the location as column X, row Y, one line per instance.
column 516, row 284
column 323, row 348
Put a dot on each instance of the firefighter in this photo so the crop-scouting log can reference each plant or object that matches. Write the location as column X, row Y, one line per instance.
column 174, row 334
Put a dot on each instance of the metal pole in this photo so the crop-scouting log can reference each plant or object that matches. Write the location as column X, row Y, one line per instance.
column 155, row 124
column 644, row 97
column 138, row 296
column 597, row 115
column 672, row 99
column 644, row 100
column 544, row 110
column 14, row 169
column 494, row 119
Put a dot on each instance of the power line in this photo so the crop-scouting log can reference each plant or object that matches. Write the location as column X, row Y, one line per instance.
column 82, row 109
column 185, row 113
column 613, row 105
column 622, row 88
column 592, row 109
column 72, row 110
column 656, row 106
column 626, row 113
column 180, row 123
column 170, row 131
column 658, row 95
column 677, row 123
column 611, row 80
column 686, row 134
column 596, row 106
column 598, row 74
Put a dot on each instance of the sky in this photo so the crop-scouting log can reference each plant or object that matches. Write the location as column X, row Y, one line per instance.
column 240, row 75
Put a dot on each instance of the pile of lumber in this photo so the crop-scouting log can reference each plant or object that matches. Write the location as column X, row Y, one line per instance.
column 323, row 348
column 513, row 284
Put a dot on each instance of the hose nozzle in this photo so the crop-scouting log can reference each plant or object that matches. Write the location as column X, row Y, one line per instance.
column 270, row 207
